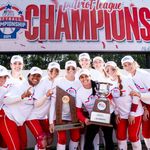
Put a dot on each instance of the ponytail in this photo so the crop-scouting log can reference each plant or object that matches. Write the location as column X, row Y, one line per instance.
column 120, row 85
column 93, row 87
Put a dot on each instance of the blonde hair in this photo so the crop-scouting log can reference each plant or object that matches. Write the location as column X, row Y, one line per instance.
column 136, row 64
column 119, row 79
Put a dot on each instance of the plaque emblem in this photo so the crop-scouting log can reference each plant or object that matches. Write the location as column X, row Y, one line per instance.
column 65, row 99
column 101, row 106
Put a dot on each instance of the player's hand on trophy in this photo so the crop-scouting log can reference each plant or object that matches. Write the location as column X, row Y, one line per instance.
column 87, row 121
column 49, row 93
column 135, row 93
column 131, row 119
column 26, row 93
column 51, row 128
column 146, row 114
column 117, row 119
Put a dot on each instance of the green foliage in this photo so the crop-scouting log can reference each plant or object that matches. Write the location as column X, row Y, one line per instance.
column 43, row 59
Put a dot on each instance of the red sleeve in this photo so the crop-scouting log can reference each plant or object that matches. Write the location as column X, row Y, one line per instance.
column 109, row 96
column 80, row 115
column 134, row 107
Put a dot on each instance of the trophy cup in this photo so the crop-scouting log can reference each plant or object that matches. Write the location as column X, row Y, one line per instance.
column 65, row 103
column 101, row 112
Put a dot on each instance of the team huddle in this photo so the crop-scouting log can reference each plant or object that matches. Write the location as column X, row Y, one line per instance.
column 31, row 102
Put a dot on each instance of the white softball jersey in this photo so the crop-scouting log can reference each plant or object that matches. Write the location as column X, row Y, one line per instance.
column 18, row 109
column 3, row 90
column 123, row 103
column 69, row 86
column 142, row 82
column 85, row 97
column 101, row 77
column 42, row 112
column 17, row 81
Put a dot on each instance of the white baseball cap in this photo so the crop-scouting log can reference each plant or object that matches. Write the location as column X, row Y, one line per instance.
column 110, row 63
column 84, row 71
column 127, row 58
column 35, row 70
column 52, row 65
column 16, row 58
column 70, row 63
column 3, row 71
column 98, row 58
column 84, row 55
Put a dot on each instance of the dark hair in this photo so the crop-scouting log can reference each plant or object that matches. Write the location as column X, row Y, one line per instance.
column 93, row 87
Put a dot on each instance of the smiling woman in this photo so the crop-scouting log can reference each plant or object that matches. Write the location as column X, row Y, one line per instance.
column 2, row 80
column 86, row 97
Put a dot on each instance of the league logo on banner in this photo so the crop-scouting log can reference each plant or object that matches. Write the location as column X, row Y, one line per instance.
column 11, row 21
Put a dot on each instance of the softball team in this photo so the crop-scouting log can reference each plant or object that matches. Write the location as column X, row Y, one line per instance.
column 31, row 102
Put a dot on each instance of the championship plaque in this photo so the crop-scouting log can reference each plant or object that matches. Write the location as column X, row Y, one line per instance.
column 65, row 103
column 101, row 112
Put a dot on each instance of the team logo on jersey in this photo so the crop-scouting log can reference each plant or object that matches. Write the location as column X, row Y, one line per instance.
column 115, row 92
column 11, row 21
column 91, row 98
column 141, row 89
column 72, row 91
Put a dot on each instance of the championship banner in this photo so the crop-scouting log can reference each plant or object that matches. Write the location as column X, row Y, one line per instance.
column 74, row 25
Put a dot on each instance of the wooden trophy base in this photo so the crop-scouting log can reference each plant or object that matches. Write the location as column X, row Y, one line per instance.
column 68, row 126
column 65, row 99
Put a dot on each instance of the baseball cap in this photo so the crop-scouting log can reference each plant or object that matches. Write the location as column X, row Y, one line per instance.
column 3, row 71
column 84, row 55
column 70, row 63
column 98, row 58
column 110, row 63
column 84, row 71
column 127, row 58
column 52, row 65
column 35, row 70
column 16, row 58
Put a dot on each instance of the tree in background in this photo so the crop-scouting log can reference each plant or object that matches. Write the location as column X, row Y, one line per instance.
column 42, row 59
